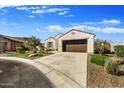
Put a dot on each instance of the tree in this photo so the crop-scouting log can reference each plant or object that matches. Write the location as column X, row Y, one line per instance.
column 99, row 47
column 102, row 46
column 32, row 43
column 107, row 47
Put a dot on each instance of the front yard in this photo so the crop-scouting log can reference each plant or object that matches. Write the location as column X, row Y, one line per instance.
column 18, row 54
column 97, row 75
column 99, row 59
column 25, row 55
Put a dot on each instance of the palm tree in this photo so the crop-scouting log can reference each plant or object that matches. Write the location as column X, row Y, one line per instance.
column 32, row 43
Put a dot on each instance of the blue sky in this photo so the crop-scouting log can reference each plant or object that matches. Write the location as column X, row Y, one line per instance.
column 107, row 22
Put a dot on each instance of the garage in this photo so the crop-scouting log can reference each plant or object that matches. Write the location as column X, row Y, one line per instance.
column 74, row 45
column 76, row 41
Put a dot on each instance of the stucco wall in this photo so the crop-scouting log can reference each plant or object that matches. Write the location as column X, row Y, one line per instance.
column 72, row 35
column 56, row 40
column 51, row 40
column 8, row 42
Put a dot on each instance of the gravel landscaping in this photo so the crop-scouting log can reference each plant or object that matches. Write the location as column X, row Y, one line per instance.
column 98, row 78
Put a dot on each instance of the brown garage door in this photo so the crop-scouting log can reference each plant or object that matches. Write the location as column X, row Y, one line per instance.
column 75, row 46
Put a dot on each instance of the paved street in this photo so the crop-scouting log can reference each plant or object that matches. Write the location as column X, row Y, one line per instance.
column 21, row 75
column 64, row 70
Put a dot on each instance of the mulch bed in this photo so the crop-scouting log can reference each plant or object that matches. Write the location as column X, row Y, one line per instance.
column 98, row 78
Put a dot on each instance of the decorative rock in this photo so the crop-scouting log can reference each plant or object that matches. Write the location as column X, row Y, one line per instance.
column 32, row 55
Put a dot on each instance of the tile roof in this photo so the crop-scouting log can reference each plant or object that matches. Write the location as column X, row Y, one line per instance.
column 19, row 39
column 77, row 30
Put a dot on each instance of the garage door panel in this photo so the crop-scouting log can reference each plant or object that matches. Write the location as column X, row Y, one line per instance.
column 76, row 47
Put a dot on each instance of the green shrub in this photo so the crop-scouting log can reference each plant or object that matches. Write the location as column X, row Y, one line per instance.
column 119, row 50
column 99, row 59
column 112, row 67
column 20, row 50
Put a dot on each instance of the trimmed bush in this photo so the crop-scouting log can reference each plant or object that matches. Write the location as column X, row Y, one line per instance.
column 98, row 59
column 112, row 67
column 20, row 50
column 119, row 50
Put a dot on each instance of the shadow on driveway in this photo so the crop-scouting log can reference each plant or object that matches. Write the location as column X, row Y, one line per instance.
column 21, row 75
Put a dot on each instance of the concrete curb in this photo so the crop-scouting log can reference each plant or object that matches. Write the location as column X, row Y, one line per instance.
column 57, row 79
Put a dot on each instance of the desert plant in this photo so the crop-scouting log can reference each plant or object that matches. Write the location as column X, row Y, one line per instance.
column 32, row 43
column 119, row 50
column 20, row 50
column 40, row 48
column 102, row 46
column 111, row 66
column 99, row 46
column 107, row 47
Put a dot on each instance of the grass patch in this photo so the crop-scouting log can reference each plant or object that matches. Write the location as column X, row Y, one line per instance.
column 26, row 54
column 99, row 59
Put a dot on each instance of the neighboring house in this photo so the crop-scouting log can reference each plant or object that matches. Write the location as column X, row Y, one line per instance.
column 52, row 42
column 115, row 44
column 72, row 41
column 8, row 43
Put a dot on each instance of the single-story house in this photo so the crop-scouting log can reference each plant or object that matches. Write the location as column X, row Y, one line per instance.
column 52, row 42
column 115, row 44
column 8, row 43
column 72, row 41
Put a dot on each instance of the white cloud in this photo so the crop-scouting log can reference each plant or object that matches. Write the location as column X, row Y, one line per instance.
column 77, row 27
column 113, row 21
column 97, row 29
column 44, row 6
column 57, row 9
column 31, row 16
column 23, row 8
column 50, row 10
column 7, row 6
column 45, row 9
column 104, row 30
column 38, row 11
column 63, row 13
column 34, row 8
column 3, row 9
column 54, row 28
column 70, row 15
column 89, row 23
column 113, row 30
column 107, row 30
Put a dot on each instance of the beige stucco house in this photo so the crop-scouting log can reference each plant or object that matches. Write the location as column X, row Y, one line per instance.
column 72, row 41
column 52, row 42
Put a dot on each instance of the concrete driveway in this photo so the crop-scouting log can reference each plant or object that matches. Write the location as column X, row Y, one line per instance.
column 72, row 65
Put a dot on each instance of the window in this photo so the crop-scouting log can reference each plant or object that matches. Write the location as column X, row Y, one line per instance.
column 3, row 46
column 50, row 44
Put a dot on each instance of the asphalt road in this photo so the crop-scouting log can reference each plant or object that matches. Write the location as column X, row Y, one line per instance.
column 21, row 75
